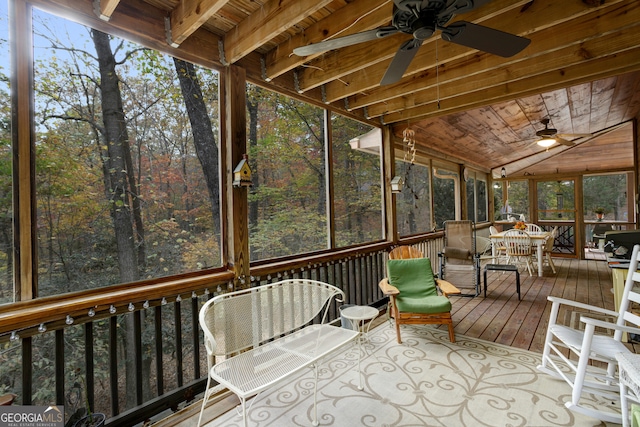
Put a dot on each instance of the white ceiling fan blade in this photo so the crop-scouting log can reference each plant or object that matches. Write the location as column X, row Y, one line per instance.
column 564, row 141
column 574, row 135
column 345, row 41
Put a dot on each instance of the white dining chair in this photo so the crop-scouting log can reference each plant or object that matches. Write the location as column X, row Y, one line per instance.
column 499, row 249
column 518, row 246
column 533, row 228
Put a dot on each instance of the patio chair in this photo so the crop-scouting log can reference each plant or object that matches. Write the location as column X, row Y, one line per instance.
column 518, row 246
column 413, row 295
column 588, row 346
column 500, row 250
column 459, row 252
column 405, row 252
column 533, row 228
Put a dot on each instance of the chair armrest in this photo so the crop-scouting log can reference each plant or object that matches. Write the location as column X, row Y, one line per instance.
column 387, row 288
column 447, row 288
column 608, row 325
column 577, row 304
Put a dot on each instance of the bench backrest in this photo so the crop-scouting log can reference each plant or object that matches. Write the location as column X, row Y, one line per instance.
column 243, row 319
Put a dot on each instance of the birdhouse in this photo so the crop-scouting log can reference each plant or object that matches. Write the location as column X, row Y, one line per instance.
column 396, row 184
column 242, row 173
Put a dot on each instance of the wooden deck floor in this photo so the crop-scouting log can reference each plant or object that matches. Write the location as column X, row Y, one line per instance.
column 501, row 318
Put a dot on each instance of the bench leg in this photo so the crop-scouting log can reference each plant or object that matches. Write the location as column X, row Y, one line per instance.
column 243, row 402
column 518, row 283
column 315, row 396
column 204, row 399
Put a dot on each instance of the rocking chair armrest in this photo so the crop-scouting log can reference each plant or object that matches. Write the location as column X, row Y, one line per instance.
column 608, row 325
column 447, row 288
column 387, row 288
column 577, row 304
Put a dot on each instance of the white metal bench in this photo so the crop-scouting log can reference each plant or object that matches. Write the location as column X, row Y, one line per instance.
column 264, row 335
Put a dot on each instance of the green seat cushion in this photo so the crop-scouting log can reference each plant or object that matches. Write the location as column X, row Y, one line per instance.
column 415, row 281
column 427, row 305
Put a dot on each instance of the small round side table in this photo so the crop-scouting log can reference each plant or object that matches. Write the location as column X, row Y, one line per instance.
column 358, row 316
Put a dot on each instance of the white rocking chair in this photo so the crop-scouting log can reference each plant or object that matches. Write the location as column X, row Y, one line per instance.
column 589, row 346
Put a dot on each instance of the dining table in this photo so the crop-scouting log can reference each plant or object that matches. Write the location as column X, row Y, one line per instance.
column 538, row 239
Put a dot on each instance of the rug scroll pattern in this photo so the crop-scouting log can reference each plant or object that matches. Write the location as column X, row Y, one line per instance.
column 425, row 381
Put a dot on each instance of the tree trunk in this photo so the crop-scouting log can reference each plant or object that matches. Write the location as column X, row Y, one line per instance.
column 116, row 165
column 203, row 137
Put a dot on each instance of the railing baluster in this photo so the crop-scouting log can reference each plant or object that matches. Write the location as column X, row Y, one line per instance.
column 113, row 363
column 177, row 317
column 159, row 358
column 196, row 337
column 88, row 365
column 27, row 372
column 137, row 331
column 59, row 365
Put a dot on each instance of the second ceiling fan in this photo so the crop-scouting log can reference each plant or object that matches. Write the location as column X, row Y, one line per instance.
column 549, row 136
column 421, row 18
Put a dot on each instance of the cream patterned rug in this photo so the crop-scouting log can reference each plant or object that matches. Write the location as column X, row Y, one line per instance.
column 425, row 381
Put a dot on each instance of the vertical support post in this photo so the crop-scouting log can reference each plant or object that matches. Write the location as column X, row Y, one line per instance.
column 388, row 165
column 328, row 144
column 636, row 166
column 234, row 146
column 24, row 206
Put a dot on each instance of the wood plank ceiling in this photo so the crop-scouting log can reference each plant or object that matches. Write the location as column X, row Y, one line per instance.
column 581, row 69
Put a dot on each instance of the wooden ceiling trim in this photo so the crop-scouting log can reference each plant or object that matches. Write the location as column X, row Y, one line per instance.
column 543, row 55
column 273, row 18
column 377, row 54
column 281, row 59
column 189, row 15
column 105, row 8
column 424, row 62
column 201, row 48
column 609, row 66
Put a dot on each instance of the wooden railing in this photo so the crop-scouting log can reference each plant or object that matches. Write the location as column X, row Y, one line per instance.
column 136, row 351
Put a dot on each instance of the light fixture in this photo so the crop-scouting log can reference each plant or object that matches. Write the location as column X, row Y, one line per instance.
column 546, row 142
column 396, row 184
column 503, row 173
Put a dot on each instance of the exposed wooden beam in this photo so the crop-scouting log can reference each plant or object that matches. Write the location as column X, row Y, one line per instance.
column 354, row 17
column 104, row 8
column 188, row 16
column 270, row 20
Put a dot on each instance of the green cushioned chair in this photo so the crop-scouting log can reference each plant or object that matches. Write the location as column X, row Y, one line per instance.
column 413, row 295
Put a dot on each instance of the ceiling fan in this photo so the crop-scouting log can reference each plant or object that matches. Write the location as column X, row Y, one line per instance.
column 549, row 136
column 421, row 18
